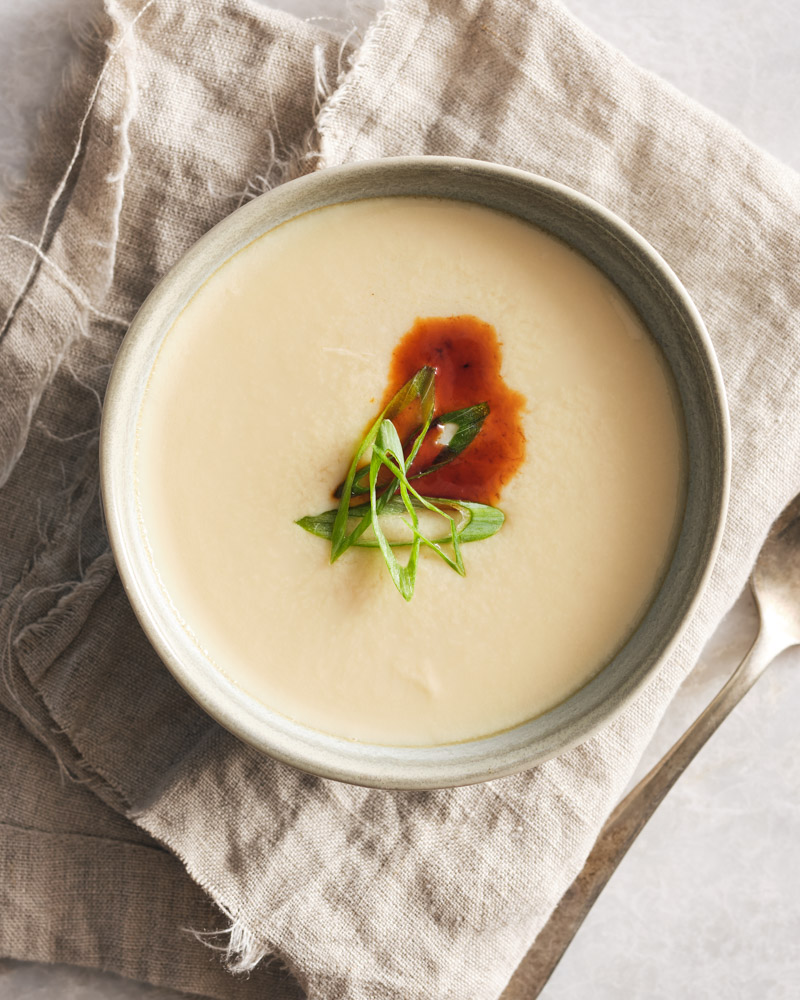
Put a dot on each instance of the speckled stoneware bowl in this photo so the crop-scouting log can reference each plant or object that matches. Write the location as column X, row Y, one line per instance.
column 666, row 310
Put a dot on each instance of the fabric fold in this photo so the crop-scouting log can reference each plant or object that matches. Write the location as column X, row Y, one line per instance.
column 83, row 885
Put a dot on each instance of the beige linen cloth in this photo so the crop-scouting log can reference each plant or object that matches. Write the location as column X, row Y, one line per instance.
column 115, row 785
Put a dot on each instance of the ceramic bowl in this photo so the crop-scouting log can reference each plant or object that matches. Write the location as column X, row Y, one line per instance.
column 666, row 310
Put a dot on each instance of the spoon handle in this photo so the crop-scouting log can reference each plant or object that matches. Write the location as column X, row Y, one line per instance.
column 627, row 820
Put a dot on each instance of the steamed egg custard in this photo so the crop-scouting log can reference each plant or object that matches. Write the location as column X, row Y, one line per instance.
column 541, row 424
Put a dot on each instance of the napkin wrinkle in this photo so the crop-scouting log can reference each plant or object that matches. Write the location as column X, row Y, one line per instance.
column 50, row 246
column 35, row 622
column 86, row 39
column 78, row 293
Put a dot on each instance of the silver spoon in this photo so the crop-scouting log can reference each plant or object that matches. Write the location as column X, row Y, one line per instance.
column 775, row 583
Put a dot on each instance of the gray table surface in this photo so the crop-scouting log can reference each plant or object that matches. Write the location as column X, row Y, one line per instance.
column 707, row 904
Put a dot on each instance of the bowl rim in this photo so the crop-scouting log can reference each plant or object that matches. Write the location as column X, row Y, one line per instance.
column 318, row 753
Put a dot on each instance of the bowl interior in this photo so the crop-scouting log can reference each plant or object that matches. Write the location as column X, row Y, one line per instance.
column 666, row 310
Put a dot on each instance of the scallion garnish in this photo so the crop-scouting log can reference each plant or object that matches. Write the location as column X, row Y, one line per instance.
column 467, row 423
column 345, row 526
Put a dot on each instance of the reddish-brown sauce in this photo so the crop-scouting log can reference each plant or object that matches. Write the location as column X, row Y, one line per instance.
column 467, row 357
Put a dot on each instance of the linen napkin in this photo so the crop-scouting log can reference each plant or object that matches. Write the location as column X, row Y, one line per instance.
column 175, row 114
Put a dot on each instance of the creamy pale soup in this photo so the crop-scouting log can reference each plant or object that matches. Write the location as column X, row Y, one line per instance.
column 260, row 394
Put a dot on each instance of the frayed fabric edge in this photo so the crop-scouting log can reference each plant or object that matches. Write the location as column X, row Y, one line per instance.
column 305, row 157
column 324, row 128
column 241, row 951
